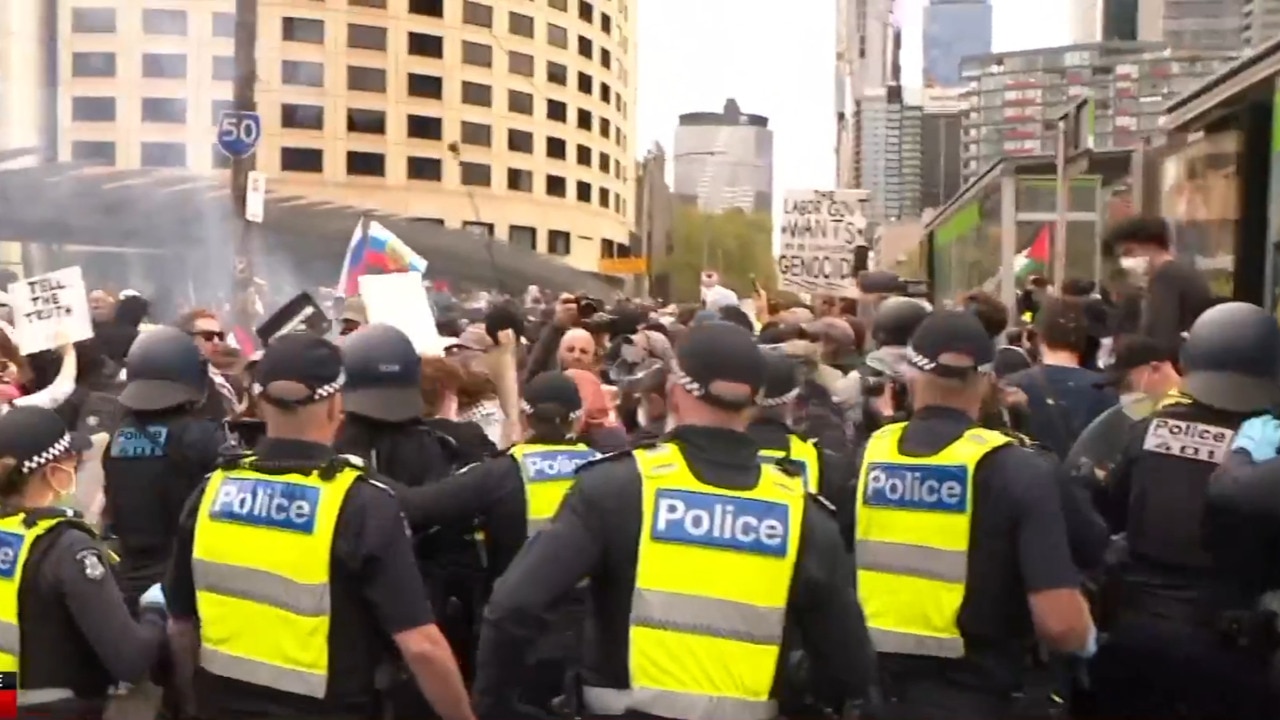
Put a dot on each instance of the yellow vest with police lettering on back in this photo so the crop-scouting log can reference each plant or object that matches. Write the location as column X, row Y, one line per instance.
column 803, row 452
column 548, row 473
column 16, row 539
column 912, row 535
column 261, row 561
column 713, row 577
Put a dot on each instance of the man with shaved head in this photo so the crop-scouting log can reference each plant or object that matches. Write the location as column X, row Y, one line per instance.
column 577, row 350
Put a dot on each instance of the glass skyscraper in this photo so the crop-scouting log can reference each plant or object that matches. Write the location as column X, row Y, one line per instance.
column 952, row 30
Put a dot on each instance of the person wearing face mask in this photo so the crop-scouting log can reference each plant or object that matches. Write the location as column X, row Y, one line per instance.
column 58, row 594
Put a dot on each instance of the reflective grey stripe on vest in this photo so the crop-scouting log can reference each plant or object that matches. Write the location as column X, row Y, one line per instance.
column 673, row 704
column 890, row 641
column 707, row 616
column 260, row 586
column 535, row 525
column 44, row 696
column 10, row 639
column 914, row 560
column 298, row 682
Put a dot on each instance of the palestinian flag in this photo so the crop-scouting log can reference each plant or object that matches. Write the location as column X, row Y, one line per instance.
column 1035, row 259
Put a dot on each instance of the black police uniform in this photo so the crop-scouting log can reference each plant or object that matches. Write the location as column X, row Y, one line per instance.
column 1180, row 616
column 376, row 591
column 594, row 535
column 159, row 452
column 78, row 636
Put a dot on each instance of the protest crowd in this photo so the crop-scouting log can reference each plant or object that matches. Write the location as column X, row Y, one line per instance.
column 384, row 501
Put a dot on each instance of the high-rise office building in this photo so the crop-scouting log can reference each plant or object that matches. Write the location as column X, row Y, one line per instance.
column 942, row 114
column 363, row 103
column 1101, row 20
column 953, row 29
column 1199, row 25
column 867, row 41
column 724, row 160
column 1261, row 22
column 891, row 155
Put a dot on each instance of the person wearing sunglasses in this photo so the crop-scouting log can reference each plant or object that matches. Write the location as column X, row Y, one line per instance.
column 205, row 328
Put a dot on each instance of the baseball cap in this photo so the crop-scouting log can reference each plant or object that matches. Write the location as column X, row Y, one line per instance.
column 353, row 310
column 1130, row 353
column 475, row 337
column 721, row 365
column 297, row 370
column 35, row 437
column 950, row 344
column 554, row 391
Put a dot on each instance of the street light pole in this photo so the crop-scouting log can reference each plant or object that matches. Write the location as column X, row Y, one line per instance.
column 244, row 100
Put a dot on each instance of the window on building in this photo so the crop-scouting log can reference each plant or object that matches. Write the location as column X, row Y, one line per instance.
column 606, row 59
column 302, row 117
column 604, row 164
column 606, row 23
column 366, row 79
column 300, row 159
column 224, row 68
column 478, row 54
column 557, row 186
column 164, row 22
column 519, row 102
column 584, row 119
column 219, row 160
column 424, row 127
column 586, row 12
column 366, row 164
column 557, row 111
column 429, row 8
column 366, row 122
column 302, row 30
column 602, row 197
column 164, row 110
column 606, row 93
column 557, row 148
column 94, row 20
column 224, row 25
column 426, row 86
column 93, row 152
column 474, row 13
column 476, row 174
column 375, row 4
column 558, row 243
column 520, row 180
column 217, row 108
column 164, row 65
column 584, row 191
column 586, row 85
column 302, row 72
column 522, row 236
column 557, row 36
column 478, row 134
column 557, row 73
column 367, row 37
column 520, row 24
column 584, row 155
column 93, row 64
column 93, row 109
column 426, row 45
column 519, row 63
column 520, row 141
column 561, row 5
column 163, row 155
column 605, row 128
column 585, row 47
column 477, row 94
column 424, row 168
column 479, row 229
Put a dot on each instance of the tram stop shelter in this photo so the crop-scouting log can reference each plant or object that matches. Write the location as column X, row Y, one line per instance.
column 982, row 238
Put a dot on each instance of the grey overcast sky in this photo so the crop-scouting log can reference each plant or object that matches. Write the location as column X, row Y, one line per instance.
column 777, row 59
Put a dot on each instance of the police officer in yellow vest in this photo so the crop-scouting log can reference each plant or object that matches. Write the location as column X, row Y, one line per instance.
column 293, row 580
column 961, row 544
column 703, row 564
column 64, row 626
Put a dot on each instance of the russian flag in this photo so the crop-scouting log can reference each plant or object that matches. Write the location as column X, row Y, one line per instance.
column 375, row 252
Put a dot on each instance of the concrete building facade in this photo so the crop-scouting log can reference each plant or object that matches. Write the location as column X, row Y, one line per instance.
column 891, row 155
column 867, row 40
column 1201, row 25
column 513, row 120
column 1260, row 22
column 942, row 114
column 952, row 30
column 724, row 160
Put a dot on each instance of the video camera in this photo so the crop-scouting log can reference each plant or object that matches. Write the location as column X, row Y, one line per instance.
column 879, row 378
column 886, row 282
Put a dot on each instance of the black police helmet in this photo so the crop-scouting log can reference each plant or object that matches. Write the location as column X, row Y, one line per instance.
column 384, row 375
column 163, row 369
column 1231, row 358
column 896, row 320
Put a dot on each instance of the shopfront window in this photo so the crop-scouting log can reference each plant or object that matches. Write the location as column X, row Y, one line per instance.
column 1200, row 198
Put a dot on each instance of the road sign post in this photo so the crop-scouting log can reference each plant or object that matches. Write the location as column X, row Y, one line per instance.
column 255, row 201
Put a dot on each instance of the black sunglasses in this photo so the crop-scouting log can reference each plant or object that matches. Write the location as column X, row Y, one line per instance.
column 209, row 335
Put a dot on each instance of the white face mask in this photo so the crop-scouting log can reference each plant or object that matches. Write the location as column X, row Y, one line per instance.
column 1136, row 265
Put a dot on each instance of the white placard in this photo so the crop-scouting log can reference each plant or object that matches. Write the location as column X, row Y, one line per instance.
column 50, row 308
column 819, row 230
column 255, row 197
column 399, row 300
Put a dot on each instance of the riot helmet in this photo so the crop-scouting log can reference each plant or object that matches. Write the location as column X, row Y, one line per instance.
column 164, row 369
column 384, row 375
column 895, row 321
column 1231, row 358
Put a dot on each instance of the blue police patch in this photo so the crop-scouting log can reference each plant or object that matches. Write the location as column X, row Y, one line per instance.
column 543, row 465
column 266, row 503
column 937, row 488
column 10, row 549
column 718, row 521
column 139, row 443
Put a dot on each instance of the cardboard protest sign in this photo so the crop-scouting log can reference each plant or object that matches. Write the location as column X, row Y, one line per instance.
column 818, row 235
column 399, row 300
column 50, row 308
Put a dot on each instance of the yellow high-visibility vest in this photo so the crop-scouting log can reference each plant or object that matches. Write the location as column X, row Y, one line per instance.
column 713, row 577
column 548, row 473
column 261, row 562
column 16, row 539
column 912, row 540
column 803, row 452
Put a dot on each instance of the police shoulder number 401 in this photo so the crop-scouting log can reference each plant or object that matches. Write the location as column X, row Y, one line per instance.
column 1188, row 440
